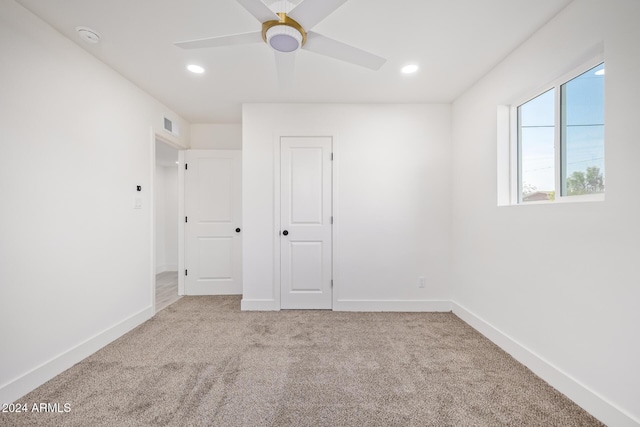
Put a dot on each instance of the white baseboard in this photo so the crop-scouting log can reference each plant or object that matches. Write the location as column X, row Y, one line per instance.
column 393, row 305
column 167, row 267
column 360, row 305
column 22, row 385
column 259, row 305
column 590, row 401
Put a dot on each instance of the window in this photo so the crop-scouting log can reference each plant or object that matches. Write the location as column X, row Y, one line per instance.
column 536, row 135
column 560, row 139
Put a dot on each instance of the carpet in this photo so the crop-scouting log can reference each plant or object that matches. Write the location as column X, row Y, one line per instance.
column 203, row 362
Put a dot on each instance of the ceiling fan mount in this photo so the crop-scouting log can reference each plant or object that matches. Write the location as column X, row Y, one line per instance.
column 284, row 34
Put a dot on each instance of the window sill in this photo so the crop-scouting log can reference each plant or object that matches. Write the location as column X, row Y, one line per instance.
column 587, row 198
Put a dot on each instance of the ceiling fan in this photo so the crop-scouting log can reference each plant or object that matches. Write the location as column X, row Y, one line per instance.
column 285, row 28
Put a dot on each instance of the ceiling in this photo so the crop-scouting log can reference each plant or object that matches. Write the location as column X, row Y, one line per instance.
column 455, row 42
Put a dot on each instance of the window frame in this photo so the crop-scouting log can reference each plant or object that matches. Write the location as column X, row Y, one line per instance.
column 515, row 180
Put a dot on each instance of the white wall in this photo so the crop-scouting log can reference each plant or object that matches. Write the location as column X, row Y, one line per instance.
column 75, row 257
column 557, row 284
column 166, row 218
column 392, row 203
column 216, row 136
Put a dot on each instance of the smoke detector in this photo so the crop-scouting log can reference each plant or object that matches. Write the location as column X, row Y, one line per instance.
column 88, row 35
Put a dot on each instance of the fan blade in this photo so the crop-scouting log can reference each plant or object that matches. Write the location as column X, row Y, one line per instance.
column 231, row 40
column 325, row 46
column 310, row 12
column 285, row 65
column 258, row 9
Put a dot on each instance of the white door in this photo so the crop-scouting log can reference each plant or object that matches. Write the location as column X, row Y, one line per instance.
column 305, row 222
column 213, row 249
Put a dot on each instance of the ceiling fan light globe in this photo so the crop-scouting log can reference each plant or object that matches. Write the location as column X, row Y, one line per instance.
column 284, row 38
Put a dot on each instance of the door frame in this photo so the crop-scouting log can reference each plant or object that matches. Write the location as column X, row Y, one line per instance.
column 277, row 241
column 152, row 208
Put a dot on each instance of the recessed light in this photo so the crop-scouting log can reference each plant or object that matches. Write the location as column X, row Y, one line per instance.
column 409, row 69
column 600, row 72
column 195, row 68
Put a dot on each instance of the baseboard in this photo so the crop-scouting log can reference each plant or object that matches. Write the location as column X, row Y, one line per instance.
column 17, row 388
column 360, row 305
column 259, row 305
column 393, row 305
column 590, row 401
column 167, row 267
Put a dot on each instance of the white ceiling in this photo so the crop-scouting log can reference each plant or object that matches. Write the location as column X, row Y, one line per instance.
column 455, row 42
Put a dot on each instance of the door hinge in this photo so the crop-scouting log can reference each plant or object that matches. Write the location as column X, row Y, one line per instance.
column 332, row 220
column 186, row 272
column 332, row 283
column 186, row 219
column 186, row 166
column 331, row 156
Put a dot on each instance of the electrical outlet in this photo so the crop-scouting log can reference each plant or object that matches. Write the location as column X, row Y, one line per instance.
column 421, row 282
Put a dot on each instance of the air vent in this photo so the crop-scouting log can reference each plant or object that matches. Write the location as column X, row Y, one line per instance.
column 171, row 127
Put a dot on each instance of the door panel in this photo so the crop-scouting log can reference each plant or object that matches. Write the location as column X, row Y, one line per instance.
column 305, row 196
column 219, row 249
column 214, row 189
column 306, row 266
column 213, row 251
column 306, row 185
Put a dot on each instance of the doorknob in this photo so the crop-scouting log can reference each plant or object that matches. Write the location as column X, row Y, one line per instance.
column 237, row 230
column 285, row 232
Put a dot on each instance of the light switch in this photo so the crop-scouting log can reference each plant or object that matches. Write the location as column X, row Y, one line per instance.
column 137, row 202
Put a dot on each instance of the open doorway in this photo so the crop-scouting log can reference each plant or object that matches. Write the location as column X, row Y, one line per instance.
column 166, row 214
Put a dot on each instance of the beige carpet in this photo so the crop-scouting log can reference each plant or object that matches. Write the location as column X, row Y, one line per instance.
column 203, row 362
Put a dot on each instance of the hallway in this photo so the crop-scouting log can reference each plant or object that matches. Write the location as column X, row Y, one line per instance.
column 166, row 289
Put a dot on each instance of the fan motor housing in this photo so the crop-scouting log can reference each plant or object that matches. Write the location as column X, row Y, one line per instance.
column 284, row 35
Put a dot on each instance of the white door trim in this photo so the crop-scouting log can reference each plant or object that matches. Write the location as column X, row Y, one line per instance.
column 152, row 213
column 181, row 247
column 152, row 208
column 277, row 241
